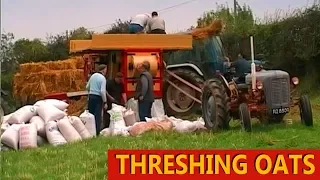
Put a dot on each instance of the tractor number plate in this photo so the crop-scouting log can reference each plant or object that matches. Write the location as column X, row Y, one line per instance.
column 280, row 110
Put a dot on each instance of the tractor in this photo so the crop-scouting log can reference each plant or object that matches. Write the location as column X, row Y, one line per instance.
column 262, row 94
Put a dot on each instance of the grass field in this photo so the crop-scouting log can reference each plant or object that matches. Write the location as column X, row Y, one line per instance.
column 87, row 159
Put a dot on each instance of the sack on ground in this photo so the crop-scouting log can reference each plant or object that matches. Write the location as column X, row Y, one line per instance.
column 41, row 141
column 185, row 127
column 115, row 132
column 11, row 136
column 129, row 117
column 89, row 122
column 56, row 103
column 80, row 127
column 4, row 127
column 28, row 136
column 157, row 109
column 133, row 104
column 116, row 116
column 6, row 118
column 53, row 134
column 67, row 130
column 22, row 115
column 39, row 122
column 49, row 112
column 141, row 128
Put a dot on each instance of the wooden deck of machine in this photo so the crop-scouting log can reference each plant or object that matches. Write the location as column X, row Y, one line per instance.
column 100, row 42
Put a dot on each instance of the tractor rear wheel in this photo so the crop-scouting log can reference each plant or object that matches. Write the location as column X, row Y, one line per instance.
column 215, row 105
column 177, row 103
column 305, row 111
column 245, row 117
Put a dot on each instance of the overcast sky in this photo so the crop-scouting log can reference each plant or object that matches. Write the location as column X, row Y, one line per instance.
column 37, row 18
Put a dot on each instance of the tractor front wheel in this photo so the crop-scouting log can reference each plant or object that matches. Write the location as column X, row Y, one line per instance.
column 306, row 111
column 245, row 117
column 215, row 105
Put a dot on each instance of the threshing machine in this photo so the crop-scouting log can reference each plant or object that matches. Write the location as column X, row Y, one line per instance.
column 122, row 52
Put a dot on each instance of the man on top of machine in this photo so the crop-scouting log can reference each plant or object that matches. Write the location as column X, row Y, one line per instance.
column 156, row 24
column 138, row 23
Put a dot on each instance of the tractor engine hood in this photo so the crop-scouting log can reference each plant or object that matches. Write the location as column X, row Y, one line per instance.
column 268, row 74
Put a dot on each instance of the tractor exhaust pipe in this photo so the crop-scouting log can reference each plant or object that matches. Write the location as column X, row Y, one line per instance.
column 253, row 66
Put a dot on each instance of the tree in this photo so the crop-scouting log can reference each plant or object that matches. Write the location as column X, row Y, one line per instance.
column 6, row 52
column 81, row 34
column 26, row 50
column 119, row 27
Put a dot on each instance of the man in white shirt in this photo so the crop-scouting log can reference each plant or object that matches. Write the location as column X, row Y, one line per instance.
column 156, row 25
column 138, row 23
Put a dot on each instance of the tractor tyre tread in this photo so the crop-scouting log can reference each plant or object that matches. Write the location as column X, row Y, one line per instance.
column 245, row 117
column 306, row 111
column 222, row 118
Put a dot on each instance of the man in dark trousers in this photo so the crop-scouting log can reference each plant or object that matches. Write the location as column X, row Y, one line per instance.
column 144, row 91
column 156, row 24
column 115, row 93
column 96, row 87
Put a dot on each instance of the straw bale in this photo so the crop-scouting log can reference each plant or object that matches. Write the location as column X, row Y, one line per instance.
column 214, row 29
column 73, row 63
column 37, row 85
column 76, row 107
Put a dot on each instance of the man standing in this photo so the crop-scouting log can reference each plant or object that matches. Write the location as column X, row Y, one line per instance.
column 97, row 94
column 138, row 23
column 156, row 25
column 115, row 93
column 144, row 91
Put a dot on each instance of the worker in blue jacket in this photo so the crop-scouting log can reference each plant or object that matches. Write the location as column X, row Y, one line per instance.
column 96, row 87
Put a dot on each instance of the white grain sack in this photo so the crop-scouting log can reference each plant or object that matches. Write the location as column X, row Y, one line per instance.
column 68, row 131
column 80, row 127
column 53, row 135
column 11, row 136
column 49, row 112
column 6, row 118
column 39, row 122
column 57, row 103
column 116, row 117
column 23, row 115
column 28, row 136
column 4, row 127
column 129, row 117
column 89, row 122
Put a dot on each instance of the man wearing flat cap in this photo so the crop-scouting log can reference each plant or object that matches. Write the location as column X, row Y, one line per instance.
column 96, row 87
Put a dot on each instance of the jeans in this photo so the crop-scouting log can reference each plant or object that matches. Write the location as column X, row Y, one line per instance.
column 144, row 110
column 95, row 106
column 135, row 28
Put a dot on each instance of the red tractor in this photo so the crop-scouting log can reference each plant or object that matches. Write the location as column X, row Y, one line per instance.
column 264, row 94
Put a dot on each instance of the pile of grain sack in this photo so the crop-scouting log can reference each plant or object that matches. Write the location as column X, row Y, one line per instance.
column 45, row 121
column 48, row 121
column 125, row 122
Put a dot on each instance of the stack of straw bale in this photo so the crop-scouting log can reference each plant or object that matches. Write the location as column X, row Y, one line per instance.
column 36, row 80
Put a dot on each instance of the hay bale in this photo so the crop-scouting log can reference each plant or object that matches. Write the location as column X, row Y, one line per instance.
column 73, row 63
column 37, row 85
column 76, row 107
